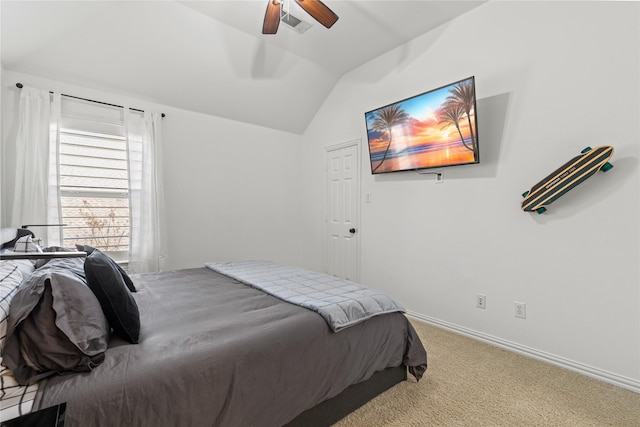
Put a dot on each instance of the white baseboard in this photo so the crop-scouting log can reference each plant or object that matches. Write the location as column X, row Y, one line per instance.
column 590, row 371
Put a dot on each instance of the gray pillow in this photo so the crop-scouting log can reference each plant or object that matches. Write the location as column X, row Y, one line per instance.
column 56, row 325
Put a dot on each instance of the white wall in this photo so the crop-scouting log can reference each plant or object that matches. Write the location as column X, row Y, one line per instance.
column 231, row 189
column 551, row 79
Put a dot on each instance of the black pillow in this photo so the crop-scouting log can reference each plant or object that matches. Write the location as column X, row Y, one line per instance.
column 127, row 280
column 118, row 305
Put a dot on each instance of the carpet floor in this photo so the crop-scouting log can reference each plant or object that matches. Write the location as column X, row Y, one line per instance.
column 471, row 383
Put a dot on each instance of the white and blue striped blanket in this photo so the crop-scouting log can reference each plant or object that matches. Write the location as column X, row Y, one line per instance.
column 342, row 303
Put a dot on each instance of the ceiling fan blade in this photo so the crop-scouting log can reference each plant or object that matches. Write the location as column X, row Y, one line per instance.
column 272, row 17
column 319, row 11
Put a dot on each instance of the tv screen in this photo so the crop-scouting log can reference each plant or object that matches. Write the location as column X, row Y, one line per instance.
column 431, row 130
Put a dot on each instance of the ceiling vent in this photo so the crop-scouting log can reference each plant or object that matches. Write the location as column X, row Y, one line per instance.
column 294, row 23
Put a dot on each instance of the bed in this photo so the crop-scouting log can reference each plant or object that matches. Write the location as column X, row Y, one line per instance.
column 215, row 351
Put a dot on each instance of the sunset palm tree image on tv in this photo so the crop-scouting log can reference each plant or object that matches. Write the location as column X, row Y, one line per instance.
column 431, row 130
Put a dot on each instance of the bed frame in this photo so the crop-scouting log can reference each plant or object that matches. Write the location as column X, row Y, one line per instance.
column 332, row 410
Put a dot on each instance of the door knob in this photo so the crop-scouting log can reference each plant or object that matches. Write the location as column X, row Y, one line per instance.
column 352, row 230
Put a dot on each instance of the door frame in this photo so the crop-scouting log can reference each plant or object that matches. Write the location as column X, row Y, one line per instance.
column 357, row 143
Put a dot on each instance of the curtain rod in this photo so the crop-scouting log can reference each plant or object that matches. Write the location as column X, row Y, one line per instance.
column 20, row 85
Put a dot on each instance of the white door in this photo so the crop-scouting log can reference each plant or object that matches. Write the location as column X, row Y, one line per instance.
column 343, row 211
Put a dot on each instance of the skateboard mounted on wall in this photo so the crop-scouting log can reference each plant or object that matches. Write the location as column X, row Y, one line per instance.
column 567, row 177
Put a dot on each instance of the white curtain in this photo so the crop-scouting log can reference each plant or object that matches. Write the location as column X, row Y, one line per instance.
column 36, row 165
column 147, row 237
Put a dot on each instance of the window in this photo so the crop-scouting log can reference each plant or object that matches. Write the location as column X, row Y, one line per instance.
column 94, row 190
column 94, row 179
column 96, row 167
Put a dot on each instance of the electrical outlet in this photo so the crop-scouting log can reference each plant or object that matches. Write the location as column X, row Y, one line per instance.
column 481, row 301
column 520, row 309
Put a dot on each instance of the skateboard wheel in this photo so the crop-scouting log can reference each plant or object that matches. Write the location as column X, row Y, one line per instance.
column 606, row 167
column 541, row 210
column 525, row 194
column 586, row 150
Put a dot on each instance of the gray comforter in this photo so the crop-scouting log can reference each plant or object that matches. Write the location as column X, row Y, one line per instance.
column 213, row 351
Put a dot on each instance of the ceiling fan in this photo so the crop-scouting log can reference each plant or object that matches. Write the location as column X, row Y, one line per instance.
column 318, row 10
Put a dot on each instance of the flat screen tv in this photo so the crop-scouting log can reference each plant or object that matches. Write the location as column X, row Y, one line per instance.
column 431, row 130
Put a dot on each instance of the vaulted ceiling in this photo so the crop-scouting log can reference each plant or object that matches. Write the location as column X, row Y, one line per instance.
column 210, row 56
